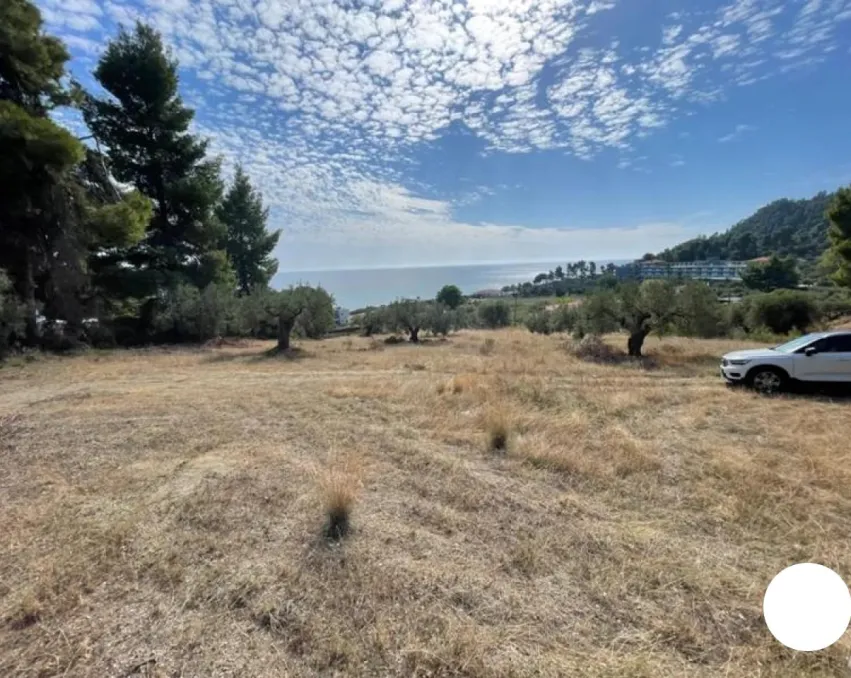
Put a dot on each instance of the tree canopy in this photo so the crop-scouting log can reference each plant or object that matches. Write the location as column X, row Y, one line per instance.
column 144, row 123
column 774, row 274
column 132, row 238
column 249, row 245
column 785, row 227
column 839, row 255
column 450, row 296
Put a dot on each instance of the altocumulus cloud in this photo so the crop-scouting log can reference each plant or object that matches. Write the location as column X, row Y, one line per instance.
column 313, row 97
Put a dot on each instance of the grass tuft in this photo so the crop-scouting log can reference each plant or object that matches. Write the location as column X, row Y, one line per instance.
column 498, row 428
column 488, row 346
column 339, row 486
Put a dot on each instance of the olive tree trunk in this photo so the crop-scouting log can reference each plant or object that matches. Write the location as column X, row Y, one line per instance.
column 286, row 323
column 636, row 341
column 415, row 334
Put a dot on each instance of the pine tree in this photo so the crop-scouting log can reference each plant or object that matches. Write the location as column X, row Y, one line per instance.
column 248, row 244
column 37, row 154
column 838, row 256
column 54, row 214
column 145, row 125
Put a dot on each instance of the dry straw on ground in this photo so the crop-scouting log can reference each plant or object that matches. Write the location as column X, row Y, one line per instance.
column 160, row 510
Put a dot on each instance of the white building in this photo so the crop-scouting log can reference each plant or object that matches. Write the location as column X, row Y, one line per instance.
column 694, row 270
column 341, row 316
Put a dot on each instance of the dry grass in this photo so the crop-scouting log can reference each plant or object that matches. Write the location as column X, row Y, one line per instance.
column 339, row 483
column 162, row 512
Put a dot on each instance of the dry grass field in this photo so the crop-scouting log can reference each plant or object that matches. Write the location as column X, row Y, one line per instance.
column 512, row 511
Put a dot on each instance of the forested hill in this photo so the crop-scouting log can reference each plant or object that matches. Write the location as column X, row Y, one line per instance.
column 785, row 227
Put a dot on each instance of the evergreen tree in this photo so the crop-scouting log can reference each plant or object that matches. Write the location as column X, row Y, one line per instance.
column 248, row 244
column 144, row 124
column 839, row 233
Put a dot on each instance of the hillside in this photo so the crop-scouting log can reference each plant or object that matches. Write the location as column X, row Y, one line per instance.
column 164, row 513
column 785, row 227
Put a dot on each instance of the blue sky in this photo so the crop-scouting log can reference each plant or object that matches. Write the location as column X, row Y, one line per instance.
column 444, row 132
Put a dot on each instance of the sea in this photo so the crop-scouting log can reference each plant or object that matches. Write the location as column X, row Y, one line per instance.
column 353, row 289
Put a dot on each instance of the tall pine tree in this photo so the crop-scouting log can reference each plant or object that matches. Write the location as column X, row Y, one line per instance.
column 248, row 243
column 838, row 257
column 145, row 126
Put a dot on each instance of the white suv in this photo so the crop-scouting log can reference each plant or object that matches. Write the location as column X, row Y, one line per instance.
column 818, row 357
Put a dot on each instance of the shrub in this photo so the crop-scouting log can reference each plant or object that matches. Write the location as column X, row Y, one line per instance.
column 317, row 319
column 372, row 322
column 495, row 314
column 594, row 349
column 564, row 319
column 439, row 320
column 701, row 314
column 11, row 315
column 187, row 314
column 780, row 311
column 540, row 322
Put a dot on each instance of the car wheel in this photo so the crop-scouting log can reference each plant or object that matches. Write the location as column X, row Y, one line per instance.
column 767, row 380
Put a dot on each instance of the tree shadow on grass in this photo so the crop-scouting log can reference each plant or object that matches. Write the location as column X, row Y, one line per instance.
column 292, row 354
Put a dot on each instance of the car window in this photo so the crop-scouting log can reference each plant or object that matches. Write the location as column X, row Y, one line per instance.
column 837, row 344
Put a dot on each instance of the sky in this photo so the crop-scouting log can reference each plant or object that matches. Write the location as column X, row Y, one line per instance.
column 430, row 132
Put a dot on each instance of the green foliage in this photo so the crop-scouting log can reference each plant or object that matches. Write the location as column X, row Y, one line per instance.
column 372, row 322
column 145, row 126
column 651, row 306
column 539, row 322
column 34, row 148
column 188, row 314
column 701, row 314
column 31, row 63
column 774, row 274
column 408, row 315
column 439, row 319
column 317, row 318
column 450, row 296
column 562, row 319
column 796, row 228
column 122, row 223
column 11, row 314
column 839, row 233
column 248, row 244
column 494, row 314
column 780, row 311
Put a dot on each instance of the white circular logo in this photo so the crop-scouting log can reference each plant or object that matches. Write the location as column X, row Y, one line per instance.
column 807, row 607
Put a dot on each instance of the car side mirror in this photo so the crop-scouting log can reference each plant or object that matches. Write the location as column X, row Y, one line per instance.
column 810, row 350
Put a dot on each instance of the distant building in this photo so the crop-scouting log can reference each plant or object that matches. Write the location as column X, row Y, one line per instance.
column 341, row 316
column 692, row 270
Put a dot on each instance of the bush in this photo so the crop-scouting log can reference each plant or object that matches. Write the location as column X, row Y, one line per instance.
column 372, row 322
column 594, row 349
column 701, row 315
column 317, row 319
column 187, row 314
column 540, row 322
column 439, row 320
column 780, row 311
column 564, row 319
column 11, row 315
column 495, row 314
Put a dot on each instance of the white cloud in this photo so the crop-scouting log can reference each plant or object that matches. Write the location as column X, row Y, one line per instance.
column 326, row 101
column 736, row 133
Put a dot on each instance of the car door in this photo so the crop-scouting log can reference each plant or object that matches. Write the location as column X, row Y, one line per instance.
column 830, row 362
column 840, row 352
